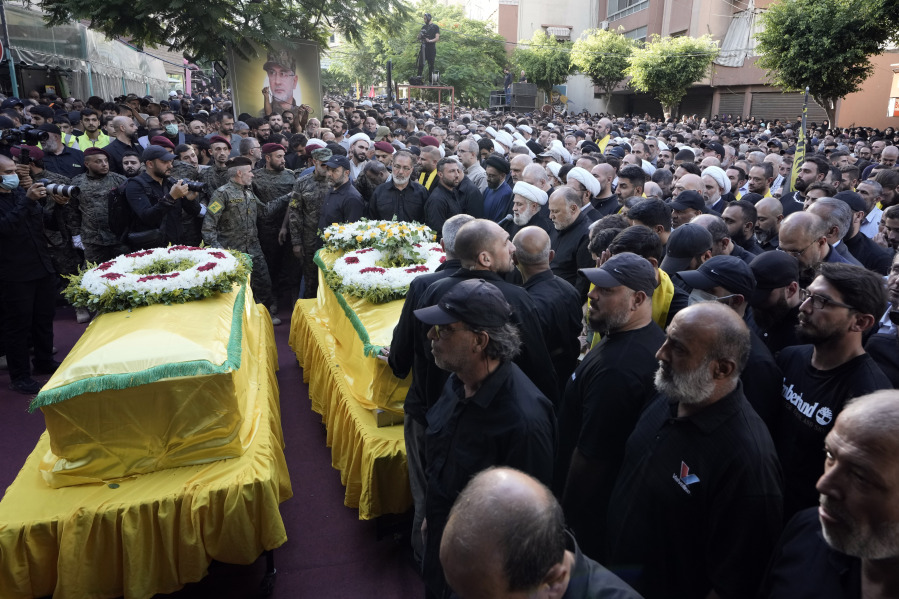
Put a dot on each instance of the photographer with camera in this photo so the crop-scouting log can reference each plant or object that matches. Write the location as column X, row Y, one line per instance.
column 156, row 203
column 27, row 280
column 100, row 244
column 58, row 157
column 428, row 36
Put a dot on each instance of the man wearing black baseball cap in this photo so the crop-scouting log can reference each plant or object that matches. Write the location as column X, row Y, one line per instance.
column 58, row 157
column 489, row 414
column 343, row 204
column 728, row 280
column 604, row 397
column 688, row 246
column 685, row 206
column 775, row 302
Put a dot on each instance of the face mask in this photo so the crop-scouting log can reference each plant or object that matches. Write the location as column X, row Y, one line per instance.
column 10, row 182
column 171, row 129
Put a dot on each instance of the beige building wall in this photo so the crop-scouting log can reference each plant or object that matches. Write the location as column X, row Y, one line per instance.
column 869, row 106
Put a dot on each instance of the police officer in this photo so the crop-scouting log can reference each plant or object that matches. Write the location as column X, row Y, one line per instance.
column 230, row 222
column 303, row 215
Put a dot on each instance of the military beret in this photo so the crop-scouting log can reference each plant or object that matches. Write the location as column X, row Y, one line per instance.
column 239, row 161
column 218, row 139
column 96, row 152
column 384, row 147
column 159, row 140
column 269, row 148
column 429, row 140
column 33, row 151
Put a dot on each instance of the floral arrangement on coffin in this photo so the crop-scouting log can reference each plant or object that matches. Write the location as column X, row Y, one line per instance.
column 383, row 258
column 171, row 275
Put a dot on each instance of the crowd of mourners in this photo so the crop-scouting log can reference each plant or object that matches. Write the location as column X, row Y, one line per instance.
column 661, row 352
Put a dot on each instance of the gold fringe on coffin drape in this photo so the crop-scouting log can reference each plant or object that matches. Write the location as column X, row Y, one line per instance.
column 371, row 460
column 150, row 533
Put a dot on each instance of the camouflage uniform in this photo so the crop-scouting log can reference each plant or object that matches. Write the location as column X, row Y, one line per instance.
column 230, row 222
column 214, row 177
column 305, row 206
column 190, row 224
column 66, row 220
column 282, row 266
column 100, row 244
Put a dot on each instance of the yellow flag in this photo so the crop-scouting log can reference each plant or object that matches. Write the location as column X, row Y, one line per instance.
column 799, row 157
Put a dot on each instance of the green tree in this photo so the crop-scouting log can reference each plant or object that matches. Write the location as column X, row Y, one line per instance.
column 602, row 55
column 825, row 45
column 336, row 82
column 666, row 67
column 545, row 60
column 207, row 28
column 364, row 62
column 470, row 56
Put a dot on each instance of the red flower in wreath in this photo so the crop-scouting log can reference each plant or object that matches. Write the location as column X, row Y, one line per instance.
column 351, row 260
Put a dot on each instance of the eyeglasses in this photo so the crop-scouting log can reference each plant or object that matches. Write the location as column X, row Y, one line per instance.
column 700, row 296
column 797, row 253
column 819, row 302
column 445, row 329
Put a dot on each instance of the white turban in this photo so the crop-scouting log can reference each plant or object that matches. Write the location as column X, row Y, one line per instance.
column 583, row 176
column 358, row 137
column 498, row 148
column 490, row 131
column 504, row 138
column 530, row 192
column 554, row 168
column 525, row 128
column 720, row 177
column 509, row 127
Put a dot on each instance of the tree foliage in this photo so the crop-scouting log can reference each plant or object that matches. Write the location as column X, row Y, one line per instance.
column 545, row 60
column 470, row 56
column 602, row 55
column 825, row 45
column 665, row 67
column 336, row 82
column 206, row 29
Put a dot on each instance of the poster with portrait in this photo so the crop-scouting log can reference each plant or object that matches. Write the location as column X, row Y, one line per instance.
column 287, row 75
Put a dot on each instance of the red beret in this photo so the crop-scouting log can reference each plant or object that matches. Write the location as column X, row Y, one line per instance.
column 33, row 151
column 218, row 139
column 429, row 140
column 96, row 152
column 384, row 147
column 159, row 140
column 269, row 148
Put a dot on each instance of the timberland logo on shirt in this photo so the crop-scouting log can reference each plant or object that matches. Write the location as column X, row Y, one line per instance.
column 804, row 408
column 824, row 416
column 685, row 479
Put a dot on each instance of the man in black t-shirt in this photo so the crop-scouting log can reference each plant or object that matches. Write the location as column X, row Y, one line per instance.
column 428, row 36
column 606, row 393
column 884, row 346
column 841, row 304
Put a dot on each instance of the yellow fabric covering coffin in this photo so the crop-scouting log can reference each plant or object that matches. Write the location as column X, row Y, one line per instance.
column 154, row 532
column 153, row 388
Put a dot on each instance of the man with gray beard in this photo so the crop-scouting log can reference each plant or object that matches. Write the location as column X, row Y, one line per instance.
column 851, row 541
column 697, row 505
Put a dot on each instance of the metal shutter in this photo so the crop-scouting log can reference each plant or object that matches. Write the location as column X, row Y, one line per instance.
column 767, row 106
column 731, row 104
column 699, row 104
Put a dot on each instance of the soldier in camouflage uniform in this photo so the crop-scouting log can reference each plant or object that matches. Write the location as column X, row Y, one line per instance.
column 217, row 174
column 100, row 244
column 230, row 223
column 186, row 170
column 303, row 212
column 269, row 184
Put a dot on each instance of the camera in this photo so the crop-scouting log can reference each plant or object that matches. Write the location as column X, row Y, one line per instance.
column 25, row 135
column 66, row 191
column 191, row 185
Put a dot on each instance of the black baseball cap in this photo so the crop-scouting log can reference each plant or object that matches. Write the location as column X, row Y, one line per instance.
column 689, row 199
column 854, row 200
column 772, row 270
column 633, row 271
column 337, row 160
column 685, row 243
column 475, row 302
column 729, row 272
column 156, row 153
column 714, row 146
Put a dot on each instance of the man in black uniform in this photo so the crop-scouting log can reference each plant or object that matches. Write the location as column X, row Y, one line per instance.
column 445, row 200
column 841, row 304
column 696, row 508
column 343, row 204
column 27, row 281
column 428, row 36
column 557, row 301
column 58, row 157
column 489, row 413
column 604, row 397
column 506, row 535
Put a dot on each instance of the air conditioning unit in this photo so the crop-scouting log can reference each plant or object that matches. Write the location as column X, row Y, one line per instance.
column 604, row 25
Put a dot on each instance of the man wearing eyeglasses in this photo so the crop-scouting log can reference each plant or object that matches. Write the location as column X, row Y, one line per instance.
column 489, row 413
column 804, row 236
column 837, row 308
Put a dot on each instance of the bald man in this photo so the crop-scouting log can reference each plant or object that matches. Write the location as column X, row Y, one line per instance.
column 851, row 540
column 557, row 302
column 699, row 470
column 606, row 202
column 688, row 182
column 770, row 213
column 516, row 165
column 603, row 128
column 506, row 534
